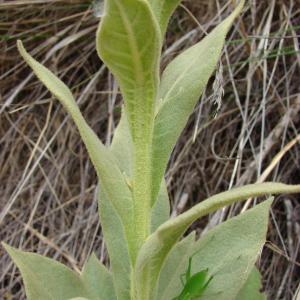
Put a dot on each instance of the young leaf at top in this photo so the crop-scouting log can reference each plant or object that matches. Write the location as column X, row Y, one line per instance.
column 181, row 85
column 109, row 174
column 129, row 43
column 163, row 9
column 155, row 249
column 230, row 251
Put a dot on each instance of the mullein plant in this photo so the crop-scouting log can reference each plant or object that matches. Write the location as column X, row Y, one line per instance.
column 149, row 257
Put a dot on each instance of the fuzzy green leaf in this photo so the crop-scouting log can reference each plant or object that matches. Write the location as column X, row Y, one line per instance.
column 182, row 83
column 157, row 246
column 111, row 178
column 229, row 251
column 47, row 279
column 169, row 283
column 128, row 42
column 98, row 279
column 163, row 9
column 251, row 289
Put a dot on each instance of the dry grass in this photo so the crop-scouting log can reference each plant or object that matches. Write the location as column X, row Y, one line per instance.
column 48, row 185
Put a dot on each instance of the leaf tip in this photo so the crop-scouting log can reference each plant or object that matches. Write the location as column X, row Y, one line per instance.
column 23, row 51
column 238, row 9
column 10, row 250
column 267, row 203
column 5, row 246
column 21, row 47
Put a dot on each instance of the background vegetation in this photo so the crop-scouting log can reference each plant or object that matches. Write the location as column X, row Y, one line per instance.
column 48, row 186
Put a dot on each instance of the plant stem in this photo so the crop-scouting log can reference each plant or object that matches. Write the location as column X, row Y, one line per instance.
column 142, row 175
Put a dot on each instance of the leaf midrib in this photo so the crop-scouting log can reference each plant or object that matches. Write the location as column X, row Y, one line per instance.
column 183, row 74
column 138, row 68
